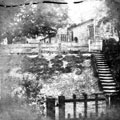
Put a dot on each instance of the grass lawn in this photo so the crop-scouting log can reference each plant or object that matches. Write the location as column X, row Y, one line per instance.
column 64, row 74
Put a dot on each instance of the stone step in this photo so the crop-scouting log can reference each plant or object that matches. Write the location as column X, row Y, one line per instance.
column 105, row 75
column 102, row 60
column 110, row 91
column 98, row 54
column 108, row 81
column 103, row 66
column 103, row 69
column 110, row 84
column 103, row 72
column 104, row 89
column 100, row 57
column 102, row 63
column 109, row 87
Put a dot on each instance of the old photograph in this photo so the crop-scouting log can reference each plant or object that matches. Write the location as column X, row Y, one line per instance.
column 59, row 60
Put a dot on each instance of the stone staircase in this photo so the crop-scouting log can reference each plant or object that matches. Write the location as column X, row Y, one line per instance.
column 106, row 79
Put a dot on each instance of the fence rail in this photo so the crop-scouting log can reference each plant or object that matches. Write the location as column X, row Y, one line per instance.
column 44, row 48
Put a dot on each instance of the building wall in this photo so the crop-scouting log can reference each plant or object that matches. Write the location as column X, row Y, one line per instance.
column 82, row 33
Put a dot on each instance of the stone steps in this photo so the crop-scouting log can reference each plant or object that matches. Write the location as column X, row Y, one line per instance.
column 108, row 83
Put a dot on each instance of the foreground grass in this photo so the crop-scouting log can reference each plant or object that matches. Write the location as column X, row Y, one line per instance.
column 10, row 109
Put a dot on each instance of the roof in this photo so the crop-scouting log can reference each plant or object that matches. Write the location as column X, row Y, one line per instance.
column 80, row 24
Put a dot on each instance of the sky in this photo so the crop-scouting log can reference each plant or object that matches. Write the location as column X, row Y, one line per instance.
column 84, row 11
column 77, row 12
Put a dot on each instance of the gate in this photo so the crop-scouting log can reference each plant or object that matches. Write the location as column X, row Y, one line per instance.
column 61, row 106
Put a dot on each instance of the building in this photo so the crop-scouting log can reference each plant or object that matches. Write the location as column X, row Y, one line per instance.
column 82, row 32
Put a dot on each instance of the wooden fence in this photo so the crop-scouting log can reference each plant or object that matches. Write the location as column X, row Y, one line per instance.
column 44, row 48
column 61, row 106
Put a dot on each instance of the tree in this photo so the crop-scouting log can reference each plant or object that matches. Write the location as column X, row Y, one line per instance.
column 113, row 13
column 37, row 20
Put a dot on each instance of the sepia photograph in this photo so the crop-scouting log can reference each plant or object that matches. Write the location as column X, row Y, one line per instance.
column 59, row 59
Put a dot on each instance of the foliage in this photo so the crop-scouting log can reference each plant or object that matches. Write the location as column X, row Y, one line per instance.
column 111, row 51
column 114, row 16
column 65, row 74
column 31, row 87
column 44, row 68
column 29, row 93
column 35, row 20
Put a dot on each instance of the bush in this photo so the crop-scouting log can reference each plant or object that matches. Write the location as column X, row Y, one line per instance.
column 111, row 49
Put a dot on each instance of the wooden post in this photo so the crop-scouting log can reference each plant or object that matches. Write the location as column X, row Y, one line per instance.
column 59, row 48
column 102, row 114
column 72, row 36
column 61, row 107
column 89, row 45
column 74, row 105
column 40, row 50
column 101, row 45
column 96, row 104
column 108, row 101
column 85, row 105
column 50, row 104
column 80, row 116
column 91, row 115
column 94, row 23
column 59, row 45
